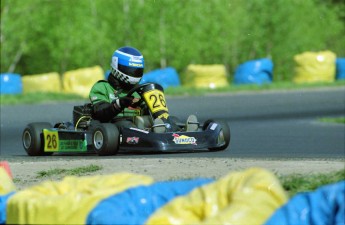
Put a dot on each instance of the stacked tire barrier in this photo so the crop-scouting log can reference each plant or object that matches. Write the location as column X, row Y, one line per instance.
column 247, row 197
column 326, row 205
column 340, row 68
column 258, row 71
column 205, row 76
column 75, row 82
column 315, row 67
column 167, row 77
column 7, row 189
column 100, row 200
column 80, row 81
column 11, row 83
column 48, row 82
column 252, row 196
column 310, row 67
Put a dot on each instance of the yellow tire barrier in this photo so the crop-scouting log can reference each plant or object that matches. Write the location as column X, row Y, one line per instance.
column 80, row 81
column 68, row 201
column 47, row 82
column 205, row 76
column 248, row 197
column 315, row 67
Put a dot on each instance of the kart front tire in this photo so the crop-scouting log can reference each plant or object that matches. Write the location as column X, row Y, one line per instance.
column 32, row 139
column 225, row 132
column 105, row 139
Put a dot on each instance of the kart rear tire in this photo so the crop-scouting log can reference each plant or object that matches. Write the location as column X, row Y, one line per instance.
column 105, row 139
column 225, row 129
column 32, row 139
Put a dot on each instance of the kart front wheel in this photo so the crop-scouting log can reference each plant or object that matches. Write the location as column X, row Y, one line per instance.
column 223, row 136
column 105, row 139
column 32, row 139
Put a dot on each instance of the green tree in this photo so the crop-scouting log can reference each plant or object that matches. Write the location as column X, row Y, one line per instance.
column 39, row 36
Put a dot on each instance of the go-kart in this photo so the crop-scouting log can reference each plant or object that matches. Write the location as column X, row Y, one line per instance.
column 86, row 135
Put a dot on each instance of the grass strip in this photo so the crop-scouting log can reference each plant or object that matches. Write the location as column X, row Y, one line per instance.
column 79, row 171
column 193, row 91
column 31, row 98
column 340, row 120
column 296, row 183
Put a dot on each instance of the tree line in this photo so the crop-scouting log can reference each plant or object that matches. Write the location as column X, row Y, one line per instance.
column 39, row 36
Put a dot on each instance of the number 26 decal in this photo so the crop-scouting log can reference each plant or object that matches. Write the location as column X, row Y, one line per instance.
column 51, row 140
column 156, row 101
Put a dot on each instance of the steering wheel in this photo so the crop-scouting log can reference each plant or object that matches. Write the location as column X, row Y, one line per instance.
column 139, row 88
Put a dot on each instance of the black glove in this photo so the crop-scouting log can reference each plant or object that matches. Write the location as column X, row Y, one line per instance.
column 136, row 104
column 122, row 102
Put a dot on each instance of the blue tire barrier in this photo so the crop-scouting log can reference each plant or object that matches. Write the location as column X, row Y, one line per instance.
column 340, row 68
column 11, row 83
column 324, row 206
column 167, row 77
column 254, row 72
column 3, row 205
column 141, row 202
column 127, row 198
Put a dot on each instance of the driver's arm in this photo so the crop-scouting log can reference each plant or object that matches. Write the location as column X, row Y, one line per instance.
column 105, row 111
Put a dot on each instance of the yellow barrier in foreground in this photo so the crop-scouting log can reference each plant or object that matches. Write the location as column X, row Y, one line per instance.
column 248, row 197
column 68, row 201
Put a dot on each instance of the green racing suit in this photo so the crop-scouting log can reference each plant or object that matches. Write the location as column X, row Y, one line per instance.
column 102, row 96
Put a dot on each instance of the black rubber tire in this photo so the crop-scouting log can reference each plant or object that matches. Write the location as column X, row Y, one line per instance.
column 226, row 132
column 32, row 139
column 105, row 139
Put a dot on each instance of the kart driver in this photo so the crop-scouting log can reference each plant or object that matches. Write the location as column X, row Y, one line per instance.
column 109, row 98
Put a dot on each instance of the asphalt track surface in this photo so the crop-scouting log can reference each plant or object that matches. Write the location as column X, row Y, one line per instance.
column 273, row 124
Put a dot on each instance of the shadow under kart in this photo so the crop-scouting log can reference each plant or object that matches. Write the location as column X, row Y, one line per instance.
column 91, row 136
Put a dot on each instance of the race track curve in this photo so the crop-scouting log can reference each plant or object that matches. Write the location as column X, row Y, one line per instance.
column 272, row 124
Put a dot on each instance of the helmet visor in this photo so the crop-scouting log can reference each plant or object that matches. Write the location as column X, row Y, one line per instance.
column 131, row 71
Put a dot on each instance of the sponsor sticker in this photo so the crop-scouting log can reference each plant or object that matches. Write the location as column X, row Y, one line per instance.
column 115, row 62
column 136, row 64
column 138, row 59
column 184, row 139
column 73, row 145
column 132, row 140
column 213, row 127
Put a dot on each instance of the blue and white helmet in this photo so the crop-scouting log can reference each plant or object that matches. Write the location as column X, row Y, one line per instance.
column 127, row 67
